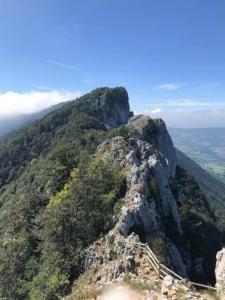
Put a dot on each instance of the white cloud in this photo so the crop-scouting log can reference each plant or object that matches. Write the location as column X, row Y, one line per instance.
column 13, row 103
column 62, row 65
column 155, row 111
column 171, row 86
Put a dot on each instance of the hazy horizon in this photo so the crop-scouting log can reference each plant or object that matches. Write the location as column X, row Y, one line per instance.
column 178, row 124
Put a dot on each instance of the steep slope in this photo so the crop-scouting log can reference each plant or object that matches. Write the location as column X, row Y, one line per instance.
column 204, row 179
column 39, row 166
column 149, row 203
column 80, row 186
column 103, row 108
column 206, row 146
column 164, row 208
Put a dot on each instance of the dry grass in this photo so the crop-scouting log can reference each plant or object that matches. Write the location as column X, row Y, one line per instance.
column 211, row 295
column 83, row 288
column 83, row 295
column 138, row 285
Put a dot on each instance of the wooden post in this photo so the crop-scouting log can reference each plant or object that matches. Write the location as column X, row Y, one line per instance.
column 159, row 269
column 162, row 271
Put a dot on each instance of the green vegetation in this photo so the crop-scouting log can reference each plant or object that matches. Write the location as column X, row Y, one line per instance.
column 44, row 248
column 154, row 190
column 159, row 248
column 68, row 226
column 203, row 225
column 55, row 197
column 64, row 125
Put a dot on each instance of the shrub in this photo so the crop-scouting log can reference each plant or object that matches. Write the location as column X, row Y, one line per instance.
column 153, row 186
column 159, row 247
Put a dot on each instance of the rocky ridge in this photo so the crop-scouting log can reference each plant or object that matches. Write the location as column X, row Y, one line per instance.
column 148, row 160
column 149, row 201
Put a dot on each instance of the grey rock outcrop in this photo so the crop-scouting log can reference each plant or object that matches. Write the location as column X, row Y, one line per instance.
column 119, row 108
column 220, row 271
column 110, row 106
column 168, row 281
column 154, row 132
column 148, row 159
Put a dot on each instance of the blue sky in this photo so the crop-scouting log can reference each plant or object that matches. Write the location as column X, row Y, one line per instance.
column 170, row 55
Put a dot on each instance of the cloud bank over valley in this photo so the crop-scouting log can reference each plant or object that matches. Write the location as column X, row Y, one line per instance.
column 15, row 103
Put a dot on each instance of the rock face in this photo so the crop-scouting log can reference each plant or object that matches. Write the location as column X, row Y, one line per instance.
column 220, row 271
column 149, row 211
column 116, row 107
column 155, row 133
column 148, row 159
column 110, row 106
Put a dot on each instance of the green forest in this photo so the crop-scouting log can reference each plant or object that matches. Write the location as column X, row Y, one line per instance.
column 56, row 198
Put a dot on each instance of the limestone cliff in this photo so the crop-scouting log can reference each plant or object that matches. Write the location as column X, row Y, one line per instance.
column 149, row 212
column 148, row 159
column 109, row 105
column 152, row 206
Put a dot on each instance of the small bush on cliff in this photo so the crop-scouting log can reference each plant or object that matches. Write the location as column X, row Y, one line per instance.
column 159, row 247
column 154, row 190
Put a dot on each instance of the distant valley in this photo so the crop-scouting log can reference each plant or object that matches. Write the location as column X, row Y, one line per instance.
column 206, row 146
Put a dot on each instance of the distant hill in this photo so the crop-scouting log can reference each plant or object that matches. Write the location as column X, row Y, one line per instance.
column 9, row 124
column 206, row 146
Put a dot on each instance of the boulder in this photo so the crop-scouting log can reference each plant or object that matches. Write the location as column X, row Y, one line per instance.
column 168, row 281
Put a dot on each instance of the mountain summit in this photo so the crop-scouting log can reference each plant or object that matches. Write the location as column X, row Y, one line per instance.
column 110, row 106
